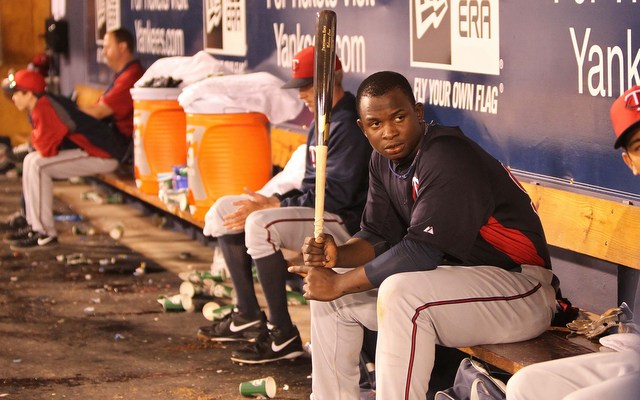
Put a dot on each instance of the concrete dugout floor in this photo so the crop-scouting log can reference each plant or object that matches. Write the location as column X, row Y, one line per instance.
column 92, row 331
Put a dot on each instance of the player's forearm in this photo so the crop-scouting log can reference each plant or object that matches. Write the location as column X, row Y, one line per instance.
column 354, row 253
column 98, row 110
column 353, row 281
column 406, row 256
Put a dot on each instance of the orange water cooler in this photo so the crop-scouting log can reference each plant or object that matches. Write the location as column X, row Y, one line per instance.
column 159, row 136
column 226, row 152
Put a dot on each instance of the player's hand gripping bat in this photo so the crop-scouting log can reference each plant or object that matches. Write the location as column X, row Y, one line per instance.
column 324, row 63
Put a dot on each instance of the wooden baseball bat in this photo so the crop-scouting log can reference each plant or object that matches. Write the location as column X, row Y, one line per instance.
column 325, row 67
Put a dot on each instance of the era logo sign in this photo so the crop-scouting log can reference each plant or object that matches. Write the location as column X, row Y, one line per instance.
column 429, row 13
column 457, row 35
column 225, row 27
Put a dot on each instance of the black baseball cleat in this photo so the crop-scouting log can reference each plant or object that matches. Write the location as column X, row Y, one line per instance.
column 35, row 241
column 274, row 346
column 234, row 327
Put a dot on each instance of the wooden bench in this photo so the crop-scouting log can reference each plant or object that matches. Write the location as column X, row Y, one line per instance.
column 595, row 227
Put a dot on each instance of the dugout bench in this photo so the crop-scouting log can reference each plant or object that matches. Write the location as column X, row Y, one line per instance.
column 603, row 229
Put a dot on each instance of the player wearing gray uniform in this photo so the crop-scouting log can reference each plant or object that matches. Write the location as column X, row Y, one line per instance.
column 450, row 252
column 607, row 374
column 67, row 143
column 282, row 221
column 71, row 142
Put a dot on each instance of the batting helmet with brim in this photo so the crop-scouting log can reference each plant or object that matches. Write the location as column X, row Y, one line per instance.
column 27, row 81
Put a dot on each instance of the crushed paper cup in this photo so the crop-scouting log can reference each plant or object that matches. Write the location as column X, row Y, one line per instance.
column 171, row 303
column 213, row 311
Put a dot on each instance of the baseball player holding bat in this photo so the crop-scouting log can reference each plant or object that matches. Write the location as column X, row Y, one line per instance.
column 450, row 252
column 283, row 220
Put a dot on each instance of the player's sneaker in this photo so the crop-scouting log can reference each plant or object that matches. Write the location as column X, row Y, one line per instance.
column 19, row 234
column 13, row 223
column 234, row 327
column 35, row 241
column 274, row 346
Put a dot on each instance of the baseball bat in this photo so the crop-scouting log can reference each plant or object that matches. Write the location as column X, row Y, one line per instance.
column 325, row 66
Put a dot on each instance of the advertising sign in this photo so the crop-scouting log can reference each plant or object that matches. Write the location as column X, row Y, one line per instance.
column 530, row 81
column 225, row 27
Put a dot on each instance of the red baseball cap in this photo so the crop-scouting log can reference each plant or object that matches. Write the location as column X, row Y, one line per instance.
column 28, row 81
column 625, row 114
column 302, row 68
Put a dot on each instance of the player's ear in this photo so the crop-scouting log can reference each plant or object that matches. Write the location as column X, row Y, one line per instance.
column 359, row 122
column 419, row 109
column 629, row 162
column 122, row 46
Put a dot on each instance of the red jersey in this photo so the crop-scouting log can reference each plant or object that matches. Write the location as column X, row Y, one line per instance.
column 49, row 132
column 118, row 97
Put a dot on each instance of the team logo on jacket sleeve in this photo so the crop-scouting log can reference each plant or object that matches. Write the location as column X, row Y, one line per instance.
column 415, row 187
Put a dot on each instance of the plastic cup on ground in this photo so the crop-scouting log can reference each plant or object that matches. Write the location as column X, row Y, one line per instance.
column 190, row 289
column 263, row 387
column 116, row 232
column 216, row 277
column 220, row 290
column 191, row 304
column 187, row 276
column 209, row 309
column 171, row 303
column 213, row 311
column 295, row 298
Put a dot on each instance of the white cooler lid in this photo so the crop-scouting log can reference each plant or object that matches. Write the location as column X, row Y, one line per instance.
column 155, row 93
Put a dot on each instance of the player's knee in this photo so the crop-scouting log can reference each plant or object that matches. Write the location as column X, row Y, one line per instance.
column 251, row 224
column 219, row 209
column 520, row 384
column 255, row 227
column 30, row 159
column 391, row 288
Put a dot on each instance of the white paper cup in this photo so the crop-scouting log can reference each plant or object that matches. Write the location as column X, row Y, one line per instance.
column 220, row 290
column 171, row 303
column 191, row 304
column 263, row 387
column 190, row 289
column 213, row 311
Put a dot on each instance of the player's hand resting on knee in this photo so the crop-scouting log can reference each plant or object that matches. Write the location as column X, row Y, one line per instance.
column 319, row 283
column 236, row 219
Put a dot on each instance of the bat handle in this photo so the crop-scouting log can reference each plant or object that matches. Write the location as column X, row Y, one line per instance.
column 321, row 174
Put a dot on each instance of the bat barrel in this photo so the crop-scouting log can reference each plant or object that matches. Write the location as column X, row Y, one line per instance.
column 323, row 79
column 325, row 61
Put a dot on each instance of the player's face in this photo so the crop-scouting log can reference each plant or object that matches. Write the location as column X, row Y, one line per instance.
column 631, row 155
column 111, row 51
column 392, row 123
column 308, row 96
column 22, row 100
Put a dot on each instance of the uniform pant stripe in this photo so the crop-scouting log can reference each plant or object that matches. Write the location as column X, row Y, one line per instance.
column 450, row 302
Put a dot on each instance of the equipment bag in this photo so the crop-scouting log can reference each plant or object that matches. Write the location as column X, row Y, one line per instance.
column 473, row 382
